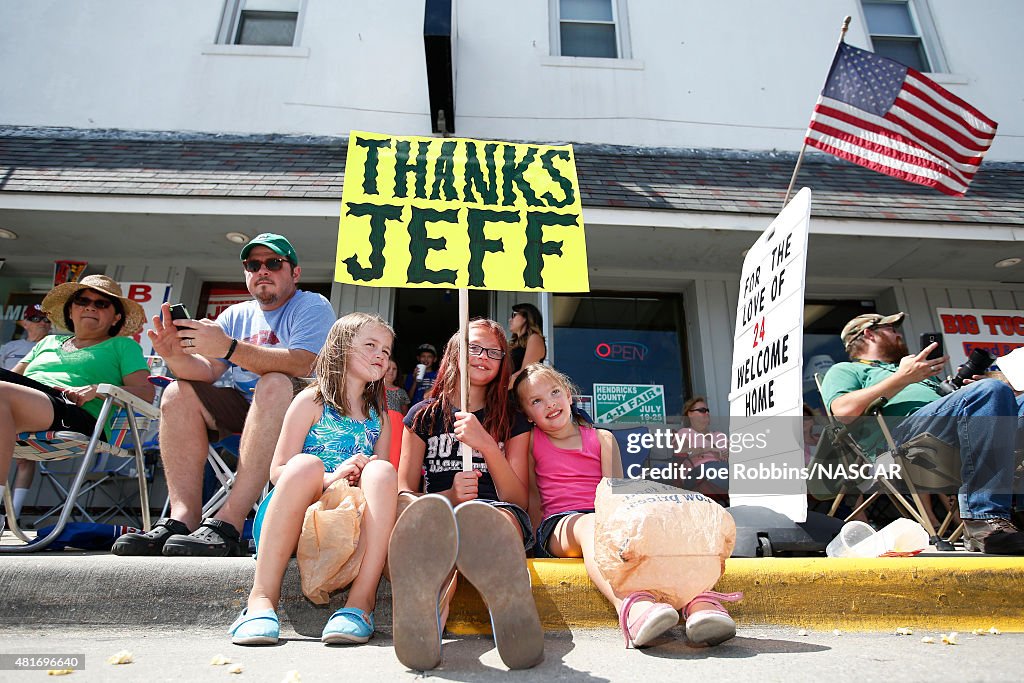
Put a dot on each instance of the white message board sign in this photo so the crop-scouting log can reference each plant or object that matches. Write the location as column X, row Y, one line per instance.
column 767, row 364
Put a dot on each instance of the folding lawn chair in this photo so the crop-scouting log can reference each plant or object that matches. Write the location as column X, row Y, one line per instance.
column 132, row 416
column 925, row 462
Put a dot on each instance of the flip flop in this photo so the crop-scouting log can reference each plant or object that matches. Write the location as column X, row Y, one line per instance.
column 491, row 557
column 421, row 555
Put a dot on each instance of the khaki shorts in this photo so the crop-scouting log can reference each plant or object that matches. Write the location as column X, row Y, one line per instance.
column 228, row 406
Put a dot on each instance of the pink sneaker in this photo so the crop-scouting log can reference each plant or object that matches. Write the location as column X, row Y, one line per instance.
column 657, row 619
column 710, row 626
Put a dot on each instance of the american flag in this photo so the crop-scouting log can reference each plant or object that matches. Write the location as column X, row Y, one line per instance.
column 890, row 118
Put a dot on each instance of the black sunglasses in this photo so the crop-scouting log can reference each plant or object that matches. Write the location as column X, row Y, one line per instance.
column 698, row 410
column 254, row 265
column 98, row 304
column 493, row 354
column 35, row 318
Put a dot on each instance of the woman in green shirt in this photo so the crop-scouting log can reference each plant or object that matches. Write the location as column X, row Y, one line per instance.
column 54, row 387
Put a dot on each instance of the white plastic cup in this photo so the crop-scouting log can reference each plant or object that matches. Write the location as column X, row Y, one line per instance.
column 852, row 534
column 902, row 536
column 907, row 536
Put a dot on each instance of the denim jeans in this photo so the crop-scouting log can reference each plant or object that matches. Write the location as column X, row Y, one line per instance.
column 979, row 419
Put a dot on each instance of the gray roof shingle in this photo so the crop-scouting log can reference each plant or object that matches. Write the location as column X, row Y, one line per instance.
column 715, row 181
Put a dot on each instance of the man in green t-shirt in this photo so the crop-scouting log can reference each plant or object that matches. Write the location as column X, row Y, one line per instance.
column 882, row 367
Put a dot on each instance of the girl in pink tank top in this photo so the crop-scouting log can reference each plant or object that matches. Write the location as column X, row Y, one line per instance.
column 567, row 461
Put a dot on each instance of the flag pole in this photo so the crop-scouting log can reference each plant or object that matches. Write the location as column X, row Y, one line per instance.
column 803, row 148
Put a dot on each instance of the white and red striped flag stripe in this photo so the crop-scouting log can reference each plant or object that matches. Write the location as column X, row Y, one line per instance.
column 892, row 119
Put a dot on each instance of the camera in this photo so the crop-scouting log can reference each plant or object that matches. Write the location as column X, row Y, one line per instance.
column 976, row 364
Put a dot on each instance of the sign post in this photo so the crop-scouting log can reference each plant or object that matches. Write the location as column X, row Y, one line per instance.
column 767, row 367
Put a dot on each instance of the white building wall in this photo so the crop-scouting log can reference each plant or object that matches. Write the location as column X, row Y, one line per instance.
column 740, row 74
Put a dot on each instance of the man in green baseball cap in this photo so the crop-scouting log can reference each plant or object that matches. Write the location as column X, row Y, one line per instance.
column 263, row 347
column 279, row 244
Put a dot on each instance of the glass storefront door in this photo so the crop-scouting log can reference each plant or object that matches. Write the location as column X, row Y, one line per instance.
column 618, row 348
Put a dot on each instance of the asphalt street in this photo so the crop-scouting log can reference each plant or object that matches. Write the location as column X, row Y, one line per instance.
column 762, row 654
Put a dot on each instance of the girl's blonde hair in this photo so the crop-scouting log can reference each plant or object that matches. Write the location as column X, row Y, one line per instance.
column 540, row 371
column 332, row 365
column 445, row 391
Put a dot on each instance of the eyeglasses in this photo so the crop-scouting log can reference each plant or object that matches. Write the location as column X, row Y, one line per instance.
column 98, row 304
column 698, row 410
column 493, row 354
column 35, row 318
column 254, row 265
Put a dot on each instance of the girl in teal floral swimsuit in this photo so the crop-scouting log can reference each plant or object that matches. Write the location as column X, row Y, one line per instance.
column 332, row 430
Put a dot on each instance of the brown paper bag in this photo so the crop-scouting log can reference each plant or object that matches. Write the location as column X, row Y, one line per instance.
column 654, row 537
column 329, row 553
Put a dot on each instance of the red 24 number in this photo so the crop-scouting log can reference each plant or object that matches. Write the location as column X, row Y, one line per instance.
column 758, row 332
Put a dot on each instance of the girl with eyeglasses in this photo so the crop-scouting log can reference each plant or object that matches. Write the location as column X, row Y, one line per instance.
column 471, row 521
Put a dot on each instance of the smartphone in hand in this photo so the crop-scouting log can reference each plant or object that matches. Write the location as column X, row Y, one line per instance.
column 179, row 312
column 929, row 337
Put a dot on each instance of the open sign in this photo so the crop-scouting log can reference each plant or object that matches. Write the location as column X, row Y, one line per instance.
column 621, row 352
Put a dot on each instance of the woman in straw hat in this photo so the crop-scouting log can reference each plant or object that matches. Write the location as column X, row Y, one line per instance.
column 54, row 386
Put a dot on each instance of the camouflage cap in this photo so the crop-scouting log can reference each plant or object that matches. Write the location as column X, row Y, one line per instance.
column 856, row 327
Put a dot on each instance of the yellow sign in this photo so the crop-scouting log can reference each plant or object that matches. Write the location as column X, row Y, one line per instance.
column 452, row 212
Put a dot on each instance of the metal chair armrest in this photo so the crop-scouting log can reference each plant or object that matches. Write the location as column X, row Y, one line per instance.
column 128, row 399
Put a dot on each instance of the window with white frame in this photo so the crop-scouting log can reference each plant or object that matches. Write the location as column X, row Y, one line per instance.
column 895, row 30
column 589, row 28
column 260, row 22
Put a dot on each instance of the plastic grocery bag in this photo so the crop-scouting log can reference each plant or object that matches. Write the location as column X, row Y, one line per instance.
column 654, row 537
column 328, row 553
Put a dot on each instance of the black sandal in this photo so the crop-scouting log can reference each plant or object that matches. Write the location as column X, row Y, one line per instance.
column 149, row 542
column 213, row 538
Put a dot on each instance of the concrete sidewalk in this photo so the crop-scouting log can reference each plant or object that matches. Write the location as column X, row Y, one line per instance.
column 946, row 591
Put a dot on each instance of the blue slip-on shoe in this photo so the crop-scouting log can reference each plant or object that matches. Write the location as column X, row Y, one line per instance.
column 256, row 628
column 348, row 625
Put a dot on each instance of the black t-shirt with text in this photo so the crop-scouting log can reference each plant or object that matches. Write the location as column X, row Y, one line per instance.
column 442, row 458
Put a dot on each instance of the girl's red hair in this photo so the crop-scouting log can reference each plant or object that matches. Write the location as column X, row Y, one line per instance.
column 445, row 391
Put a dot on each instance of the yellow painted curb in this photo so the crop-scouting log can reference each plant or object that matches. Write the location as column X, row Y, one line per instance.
column 960, row 594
